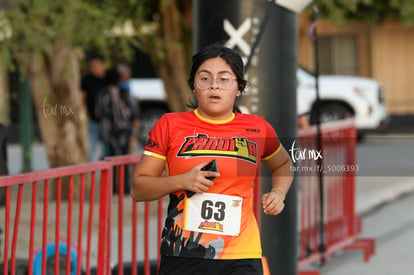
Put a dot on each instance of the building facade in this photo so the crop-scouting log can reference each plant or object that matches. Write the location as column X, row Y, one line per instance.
column 383, row 52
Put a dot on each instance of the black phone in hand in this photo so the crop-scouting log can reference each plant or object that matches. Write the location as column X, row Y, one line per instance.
column 211, row 166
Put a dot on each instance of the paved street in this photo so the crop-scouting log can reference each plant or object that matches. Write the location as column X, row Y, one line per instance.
column 392, row 227
column 385, row 170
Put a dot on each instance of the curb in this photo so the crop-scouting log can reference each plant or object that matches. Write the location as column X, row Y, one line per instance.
column 366, row 204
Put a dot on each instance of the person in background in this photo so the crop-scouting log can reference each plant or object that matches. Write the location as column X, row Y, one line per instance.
column 124, row 71
column 116, row 115
column 91, row 84
column 210, row 226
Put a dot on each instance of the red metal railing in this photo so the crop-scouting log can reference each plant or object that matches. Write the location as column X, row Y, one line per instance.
column 126, row 165
column 328, row 222
column 65, row 177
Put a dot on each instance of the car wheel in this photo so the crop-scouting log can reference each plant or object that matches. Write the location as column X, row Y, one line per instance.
column 331, row 112
column 360, row 137
column 148, row 119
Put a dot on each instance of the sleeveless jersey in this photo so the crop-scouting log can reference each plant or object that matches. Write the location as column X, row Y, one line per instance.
column 226, row 225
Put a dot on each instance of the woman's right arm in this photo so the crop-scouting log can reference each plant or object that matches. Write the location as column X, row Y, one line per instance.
column 148, row 184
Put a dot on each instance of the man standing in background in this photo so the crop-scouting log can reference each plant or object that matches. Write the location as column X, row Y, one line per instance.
column 91, row 84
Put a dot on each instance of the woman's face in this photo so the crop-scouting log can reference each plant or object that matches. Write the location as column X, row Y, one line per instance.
column 216, row 89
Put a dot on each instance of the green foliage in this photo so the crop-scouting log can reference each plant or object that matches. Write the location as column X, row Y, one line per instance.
column 29, row 26
column 373, row 11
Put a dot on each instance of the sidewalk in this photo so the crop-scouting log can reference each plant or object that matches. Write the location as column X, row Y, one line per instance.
column 371, row 192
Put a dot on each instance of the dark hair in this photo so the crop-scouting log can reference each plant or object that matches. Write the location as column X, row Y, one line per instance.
column 231, row 57
column 94, row 56
column 112, row 77
column 94, row 53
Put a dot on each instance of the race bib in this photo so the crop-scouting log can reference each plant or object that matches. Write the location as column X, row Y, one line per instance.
column 213, row 213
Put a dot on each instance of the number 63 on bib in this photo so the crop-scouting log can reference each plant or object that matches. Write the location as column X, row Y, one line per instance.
column 213, row 213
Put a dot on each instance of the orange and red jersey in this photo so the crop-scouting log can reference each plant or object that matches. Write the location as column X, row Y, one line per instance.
column 238, row 144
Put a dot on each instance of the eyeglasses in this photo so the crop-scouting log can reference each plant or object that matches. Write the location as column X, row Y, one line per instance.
column 205, row 82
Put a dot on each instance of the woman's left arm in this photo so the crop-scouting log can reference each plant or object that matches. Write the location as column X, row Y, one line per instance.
column 282, row 177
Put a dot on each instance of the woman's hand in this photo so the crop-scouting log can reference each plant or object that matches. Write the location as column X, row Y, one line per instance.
column 273, row 203
column 195, row 180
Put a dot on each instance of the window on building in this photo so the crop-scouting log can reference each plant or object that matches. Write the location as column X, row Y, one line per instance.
column 338, row 55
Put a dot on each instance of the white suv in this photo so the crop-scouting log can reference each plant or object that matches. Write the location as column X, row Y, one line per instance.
column 151, row 98
column 340, row 97
column 345, row 96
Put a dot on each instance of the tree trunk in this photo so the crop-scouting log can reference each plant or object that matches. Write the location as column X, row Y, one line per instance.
column 174, row 72
column 170, row 50
column 55, row 80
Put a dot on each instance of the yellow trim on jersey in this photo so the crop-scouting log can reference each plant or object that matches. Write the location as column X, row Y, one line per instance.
column 148, row 153
column 197, row 113
column 274, row 153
